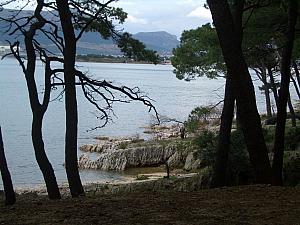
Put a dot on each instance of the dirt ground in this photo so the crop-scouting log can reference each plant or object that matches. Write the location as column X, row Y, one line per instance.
column 237, row 205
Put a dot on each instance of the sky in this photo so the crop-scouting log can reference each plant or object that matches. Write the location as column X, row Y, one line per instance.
column 173, row 16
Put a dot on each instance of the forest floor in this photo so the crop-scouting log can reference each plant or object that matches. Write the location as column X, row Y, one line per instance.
column 236, row 205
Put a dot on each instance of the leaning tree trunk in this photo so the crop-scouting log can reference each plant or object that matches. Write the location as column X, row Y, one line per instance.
column 38, row 111
column 41, row 157
column 10, row 197
column 71, row 160
column 219, row 178
column 243, row 89
column 284, row 94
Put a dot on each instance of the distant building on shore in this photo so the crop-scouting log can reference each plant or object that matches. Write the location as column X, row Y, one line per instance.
column 5, row 49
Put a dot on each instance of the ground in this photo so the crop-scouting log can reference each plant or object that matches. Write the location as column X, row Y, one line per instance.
column 237, row 205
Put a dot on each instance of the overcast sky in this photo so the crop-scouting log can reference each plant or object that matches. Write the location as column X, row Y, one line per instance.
column 172, row 16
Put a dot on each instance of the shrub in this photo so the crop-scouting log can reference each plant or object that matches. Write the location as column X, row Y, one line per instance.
column 200, row 117
column 291, row 168
column 142, row 177
column 239, row 168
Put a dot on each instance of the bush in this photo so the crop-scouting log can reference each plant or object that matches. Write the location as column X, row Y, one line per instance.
column 291, row 168
column 142, row 177
column 200, row 117
column 239, row 167
column 292, row 138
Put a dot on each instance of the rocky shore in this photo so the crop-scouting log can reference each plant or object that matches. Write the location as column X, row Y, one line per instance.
column 121, row 154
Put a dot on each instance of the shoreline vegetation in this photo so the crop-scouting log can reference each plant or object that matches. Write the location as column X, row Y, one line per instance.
column 116, row 59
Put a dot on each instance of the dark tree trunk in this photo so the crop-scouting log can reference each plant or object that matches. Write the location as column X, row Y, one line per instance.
column 41, row 157
column 220, row 175
column 243, row 89
column 38, row 111
column 268, row 103
column 296, row 86
column 10, row 197
column 273, row 86
column 292, row 112
column 220, row 168
column 296, row 72
column 71, row 160
column 266, row 91
column 284, row 94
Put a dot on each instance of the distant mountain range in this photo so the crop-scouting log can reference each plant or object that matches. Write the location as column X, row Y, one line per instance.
column 92, row 43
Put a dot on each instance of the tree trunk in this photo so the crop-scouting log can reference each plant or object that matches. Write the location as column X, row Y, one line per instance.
column 266, row 91
column 292, row 112
column 220, row 168
column 71, row 160
column 273, row 86
column 284, row 94
column 41, row 157
column 10, row 197
column 38, row 112
column 296, row 86
column 243, row 89
column 296, row 72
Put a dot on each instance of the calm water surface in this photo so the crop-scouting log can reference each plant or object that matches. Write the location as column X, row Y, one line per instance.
column 172, row 97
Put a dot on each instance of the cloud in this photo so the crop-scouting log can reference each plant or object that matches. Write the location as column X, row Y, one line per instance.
column 133, row 19
column 200, row 12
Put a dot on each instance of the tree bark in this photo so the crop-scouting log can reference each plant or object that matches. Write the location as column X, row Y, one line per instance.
column 71, row 160
column 284, row 94
column 243, row 89
column 273, row 86
column 10, row 197
column 292, row 112
column 296, row 86
column 296, row 72
column 220, row 168
column 38, row 111
column 41, row 157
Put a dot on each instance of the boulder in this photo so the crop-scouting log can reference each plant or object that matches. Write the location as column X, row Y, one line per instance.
column 191, row 163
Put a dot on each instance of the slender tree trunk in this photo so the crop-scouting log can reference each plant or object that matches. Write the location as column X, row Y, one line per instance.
column 273, row 86
column 266, row 92
column 38, row 112
column 41, row 157
column 296, row 86
column 10, row 197
column 284, row 94
column 292, row 112
column 243, row 89
column 296, row 72
column 71, row 160
column 220, row 168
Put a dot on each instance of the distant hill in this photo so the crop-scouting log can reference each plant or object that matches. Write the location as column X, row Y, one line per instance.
column 92, row 43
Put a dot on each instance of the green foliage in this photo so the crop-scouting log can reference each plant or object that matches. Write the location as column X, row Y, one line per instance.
column 200, row 116
column 292, row 138
column 207, row 143
column 123, row 145
column 142, row 177
column 239, row 167
column 199, row 54
column 136, row 50
column 291, row 168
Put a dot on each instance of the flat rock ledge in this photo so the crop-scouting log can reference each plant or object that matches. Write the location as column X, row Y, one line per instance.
column 121, row 154
column 121, row 159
